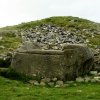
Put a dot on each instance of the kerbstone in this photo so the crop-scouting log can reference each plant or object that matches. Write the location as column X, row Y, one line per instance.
column 66, row 64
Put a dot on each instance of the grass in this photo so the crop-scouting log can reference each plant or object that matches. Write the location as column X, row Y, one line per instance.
column 9, row 42
column 17, row 90
column 64, row 21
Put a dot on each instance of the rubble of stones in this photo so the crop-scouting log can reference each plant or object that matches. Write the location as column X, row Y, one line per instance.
column 54, row 82
column 48, row 36
column 97, row 59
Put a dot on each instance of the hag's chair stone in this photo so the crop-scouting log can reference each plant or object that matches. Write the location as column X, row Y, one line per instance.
column 72, row 61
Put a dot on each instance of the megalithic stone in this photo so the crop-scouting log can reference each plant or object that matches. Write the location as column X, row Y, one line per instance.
column 66, row 64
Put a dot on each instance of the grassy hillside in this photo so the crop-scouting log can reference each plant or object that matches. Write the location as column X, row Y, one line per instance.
column 66, row 22
column 12, row 39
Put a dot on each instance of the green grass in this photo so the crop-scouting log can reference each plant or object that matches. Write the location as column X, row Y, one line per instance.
column 17, row 90
column 64, row 21
column 9, row 42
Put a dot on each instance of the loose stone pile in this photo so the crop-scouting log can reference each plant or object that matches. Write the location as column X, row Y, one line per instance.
column 50, row 37
column 97, row 59
column 93, row 78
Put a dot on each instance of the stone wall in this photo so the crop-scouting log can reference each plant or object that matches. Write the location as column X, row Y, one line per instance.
column 66, row 64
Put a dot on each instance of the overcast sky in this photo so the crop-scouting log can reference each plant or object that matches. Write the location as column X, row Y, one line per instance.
column 17, row 11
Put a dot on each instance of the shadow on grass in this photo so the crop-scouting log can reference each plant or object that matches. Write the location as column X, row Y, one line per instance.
column 12, row 74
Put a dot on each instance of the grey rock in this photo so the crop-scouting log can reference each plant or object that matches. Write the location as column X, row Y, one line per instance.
column 59, row 83
column 87, row 79
column 42, row 83
column 57, row 86
column 51, row 84
column 1, row 38
column 97, row 78
column 46, row 80
column 93, row 80
column 79, row 79
column 2, row 47
column 34, row 82
column 48, row 63
column 54, row 79
column 93, row 72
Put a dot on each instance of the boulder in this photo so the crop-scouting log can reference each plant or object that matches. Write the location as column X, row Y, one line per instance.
column 66, row 64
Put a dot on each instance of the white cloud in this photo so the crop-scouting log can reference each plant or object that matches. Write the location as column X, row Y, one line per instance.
column 17, row 11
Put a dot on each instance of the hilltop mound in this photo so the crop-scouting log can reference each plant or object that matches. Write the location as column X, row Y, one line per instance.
column 69, row 29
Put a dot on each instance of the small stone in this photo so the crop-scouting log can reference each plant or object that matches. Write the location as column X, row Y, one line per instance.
column 60, row 83
column 31, row 81
column 79, row 79
column 46, row 80
column 57, row 86
column 93, row 80
column 2, row 47
column 97, row 78
column 99, row 74
column 93, row 72
column 54, row 79
column 36, row 83
column 51, row 84
column 1, row 38
column 87, row 79
column 34, row 75
column 42, row 83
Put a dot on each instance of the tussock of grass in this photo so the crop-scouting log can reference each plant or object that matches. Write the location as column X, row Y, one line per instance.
column 9, row 43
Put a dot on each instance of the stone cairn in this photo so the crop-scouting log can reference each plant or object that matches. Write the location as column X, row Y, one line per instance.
column 93, row 78
column 50, row 37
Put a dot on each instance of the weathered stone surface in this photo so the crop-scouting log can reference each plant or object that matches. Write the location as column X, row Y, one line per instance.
column 42, row 84
column 66, row 64
column 79, row 79
column 60, row 83
column 93, row 72
column 97, row 59
column 51, row 84
column 1, row 38
column 93, row 80
column 46, row 80
column 87, row 79
column 54, row 79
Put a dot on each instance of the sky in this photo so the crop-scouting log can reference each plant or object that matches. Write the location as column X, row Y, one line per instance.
column 13, row 12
